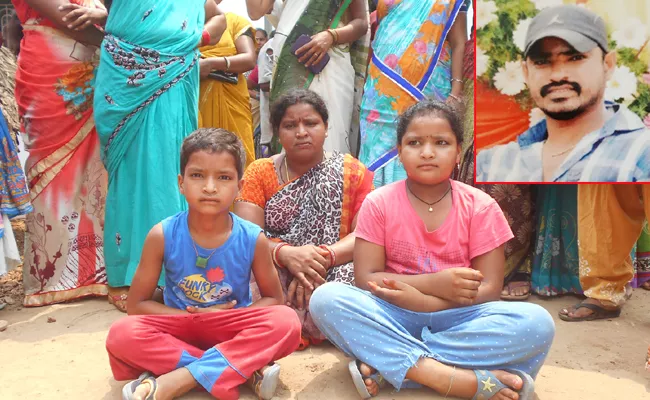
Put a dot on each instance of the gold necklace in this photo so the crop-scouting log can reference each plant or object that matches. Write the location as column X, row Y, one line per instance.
column 429, row 204
column 563, row 151
column 286, row 167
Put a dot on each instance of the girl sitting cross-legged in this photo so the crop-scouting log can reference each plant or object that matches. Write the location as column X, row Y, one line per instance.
column 429, row 261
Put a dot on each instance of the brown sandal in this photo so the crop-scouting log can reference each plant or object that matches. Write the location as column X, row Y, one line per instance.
column 119, row 301
column 513, row 285
column 598, row 313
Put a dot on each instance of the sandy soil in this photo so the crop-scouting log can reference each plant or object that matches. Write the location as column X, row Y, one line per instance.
column 57, row 352
column 65, row 358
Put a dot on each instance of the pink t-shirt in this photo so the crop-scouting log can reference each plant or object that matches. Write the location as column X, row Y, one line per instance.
column 475, row 225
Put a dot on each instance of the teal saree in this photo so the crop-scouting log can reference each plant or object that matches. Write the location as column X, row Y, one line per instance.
column 146, row 103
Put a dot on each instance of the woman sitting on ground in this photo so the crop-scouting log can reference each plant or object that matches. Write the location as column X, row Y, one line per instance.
column 429, row 261
column 307, row 201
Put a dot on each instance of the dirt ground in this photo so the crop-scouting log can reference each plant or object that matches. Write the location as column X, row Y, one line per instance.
column 57, row 352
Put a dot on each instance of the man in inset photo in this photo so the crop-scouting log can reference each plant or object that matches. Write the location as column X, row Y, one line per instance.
column 582, row 138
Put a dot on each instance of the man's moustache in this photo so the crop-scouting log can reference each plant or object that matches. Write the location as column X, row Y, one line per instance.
column 547, row 89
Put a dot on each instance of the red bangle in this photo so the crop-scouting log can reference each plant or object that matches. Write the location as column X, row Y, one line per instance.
column 332, row 254
column 205, row 38
column 276, row 250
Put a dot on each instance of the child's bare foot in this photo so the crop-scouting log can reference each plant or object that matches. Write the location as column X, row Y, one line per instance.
column 143, row 390
column 166, row 387
column 371, row 384
column 265, row 381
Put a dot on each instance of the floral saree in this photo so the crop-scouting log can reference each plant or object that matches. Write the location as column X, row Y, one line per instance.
column 316, row 208
column 64, row 258
column 411, row 61
column 145, row 105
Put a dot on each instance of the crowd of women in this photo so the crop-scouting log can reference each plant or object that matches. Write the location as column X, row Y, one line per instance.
column 124, row 83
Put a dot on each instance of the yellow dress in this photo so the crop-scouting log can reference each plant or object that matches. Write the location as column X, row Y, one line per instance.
column 227, row 105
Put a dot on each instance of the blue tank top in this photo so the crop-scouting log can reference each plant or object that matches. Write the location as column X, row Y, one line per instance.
column 227, row 274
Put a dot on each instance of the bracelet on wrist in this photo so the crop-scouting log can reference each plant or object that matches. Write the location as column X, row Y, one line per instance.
column 227, row 63
column 334, row 34
column 331, row 253
column 274, row 254
column 458, row 99
column 457, row 80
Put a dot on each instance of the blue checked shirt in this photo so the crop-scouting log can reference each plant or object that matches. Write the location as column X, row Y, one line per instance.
column 618, row 152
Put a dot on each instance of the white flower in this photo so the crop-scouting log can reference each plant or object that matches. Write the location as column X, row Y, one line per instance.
column 542, row 4
column 633, row 34
column 519, row 34
column 536, row 115
column 621, row 85
column 486, row 12
column 482, row 61
column 510, row 79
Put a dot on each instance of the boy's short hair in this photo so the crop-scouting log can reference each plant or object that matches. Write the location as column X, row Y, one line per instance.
column 214, row 140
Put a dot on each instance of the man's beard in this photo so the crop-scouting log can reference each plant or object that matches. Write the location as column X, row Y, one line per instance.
column 567, row 115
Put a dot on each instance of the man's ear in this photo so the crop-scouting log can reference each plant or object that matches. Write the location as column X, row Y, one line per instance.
column 610, row 64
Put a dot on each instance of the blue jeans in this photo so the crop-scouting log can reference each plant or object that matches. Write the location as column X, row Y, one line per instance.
column 495, row 335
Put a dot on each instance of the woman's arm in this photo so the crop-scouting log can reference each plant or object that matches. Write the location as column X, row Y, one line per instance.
column 357, row 27
column 215, row 21
column 140, row 300
column 457, row 38
column 266, row 276
column 312, row 52
column 243, row 61
column 258, row 8
column 50, row 10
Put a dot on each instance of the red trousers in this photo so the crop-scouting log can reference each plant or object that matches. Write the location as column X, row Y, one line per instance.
column 221, row 349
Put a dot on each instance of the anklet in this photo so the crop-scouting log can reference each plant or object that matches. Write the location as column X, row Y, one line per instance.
column 451, row 382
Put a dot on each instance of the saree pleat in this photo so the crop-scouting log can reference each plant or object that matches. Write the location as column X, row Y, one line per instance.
column 145, row 104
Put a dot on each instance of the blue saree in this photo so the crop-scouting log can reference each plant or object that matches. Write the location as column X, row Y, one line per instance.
column 146, row 99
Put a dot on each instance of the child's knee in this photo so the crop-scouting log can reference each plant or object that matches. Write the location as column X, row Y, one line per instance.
column 121, row 335
column 329, row 299
column 286, row 321
column 538, row 324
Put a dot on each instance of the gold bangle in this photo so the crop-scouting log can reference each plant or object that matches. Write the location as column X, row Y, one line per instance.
column 227, row 64
column 334, row 34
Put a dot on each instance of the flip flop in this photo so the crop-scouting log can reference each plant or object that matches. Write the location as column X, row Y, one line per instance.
column 514, row 297
column 598, row 313
column 360, row 380
column 492, row 385
column 114, row 299
column 265, row 385
column 129, row 389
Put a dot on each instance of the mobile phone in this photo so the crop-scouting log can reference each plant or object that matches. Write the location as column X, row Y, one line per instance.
column 303, row 40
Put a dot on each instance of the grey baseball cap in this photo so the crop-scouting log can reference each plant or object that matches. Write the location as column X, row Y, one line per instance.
column 576, row 25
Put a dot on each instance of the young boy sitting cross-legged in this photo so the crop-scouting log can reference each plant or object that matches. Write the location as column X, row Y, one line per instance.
column 208, row 332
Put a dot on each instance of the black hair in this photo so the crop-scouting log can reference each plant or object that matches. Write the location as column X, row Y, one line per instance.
column 293, row 97
column 430, row 108
column 213, row 140
column 266, row 35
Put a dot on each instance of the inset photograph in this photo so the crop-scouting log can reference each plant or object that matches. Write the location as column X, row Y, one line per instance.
column 562, row 91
